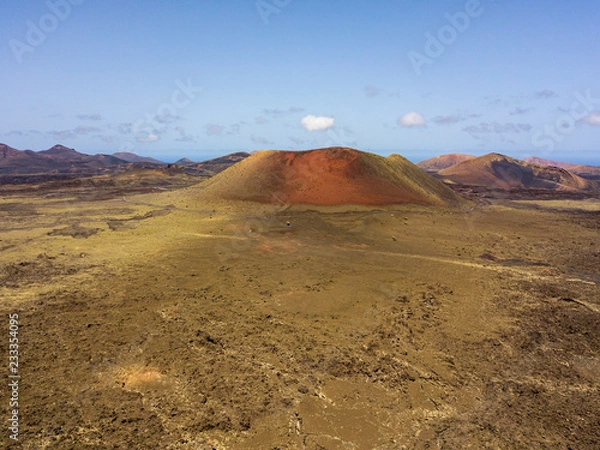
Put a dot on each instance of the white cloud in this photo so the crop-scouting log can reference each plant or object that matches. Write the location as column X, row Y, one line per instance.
column 592, row 118
column 147, row 137
column 317, row 123
column 411, row 120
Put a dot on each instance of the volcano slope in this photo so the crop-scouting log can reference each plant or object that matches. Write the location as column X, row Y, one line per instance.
column 503, row 172
column 331, row 176
column 159, row 321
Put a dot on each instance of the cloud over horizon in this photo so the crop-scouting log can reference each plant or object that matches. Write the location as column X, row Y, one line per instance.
column 592, row 119
column 317, row 123
column 145, row 138
column 411, row 120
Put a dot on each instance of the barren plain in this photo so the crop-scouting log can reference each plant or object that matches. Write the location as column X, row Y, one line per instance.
column 162, row 321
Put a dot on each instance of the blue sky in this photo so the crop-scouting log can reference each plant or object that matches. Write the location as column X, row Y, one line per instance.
column 203, row 78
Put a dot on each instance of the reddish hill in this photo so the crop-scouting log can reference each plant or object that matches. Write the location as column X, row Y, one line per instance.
column 330, row 176
column 500, row 171
column 441, row 162
column 584, row 171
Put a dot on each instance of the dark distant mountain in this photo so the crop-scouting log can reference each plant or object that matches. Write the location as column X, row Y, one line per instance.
column 14, row 161
column 62, row 152
column 132, row 157
column 184, row 162
column 216, row 165
column 441, row 162
column 499, row 171
column 58, row 159
column 10, row 152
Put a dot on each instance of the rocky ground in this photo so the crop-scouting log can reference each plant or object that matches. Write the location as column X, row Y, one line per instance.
column 151, row 321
